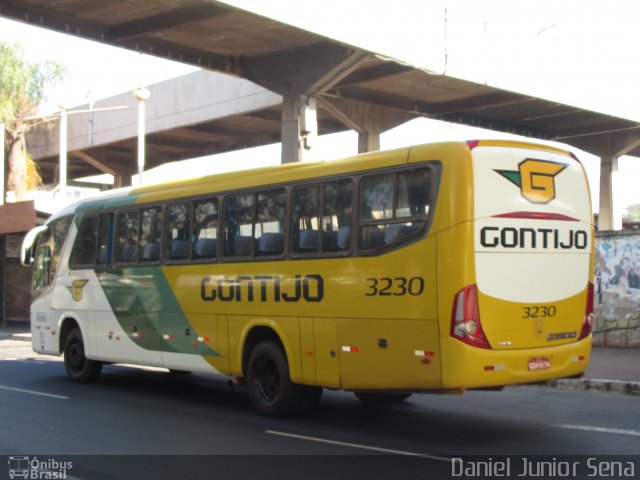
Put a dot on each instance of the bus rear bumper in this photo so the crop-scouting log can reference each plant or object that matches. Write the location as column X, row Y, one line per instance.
column 464, row 366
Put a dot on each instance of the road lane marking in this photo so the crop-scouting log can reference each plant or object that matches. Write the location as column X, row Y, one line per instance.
column 33, row 392
column 30, row 361
column 588, row 428
column 356, row 445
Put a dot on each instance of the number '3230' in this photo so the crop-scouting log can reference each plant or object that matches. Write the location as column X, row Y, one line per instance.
column 396, row 286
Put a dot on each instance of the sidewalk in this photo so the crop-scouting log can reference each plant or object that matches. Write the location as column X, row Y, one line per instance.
column 16, row 331
column 615, row 370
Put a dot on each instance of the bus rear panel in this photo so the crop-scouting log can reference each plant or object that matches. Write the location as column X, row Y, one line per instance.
column 524, row 309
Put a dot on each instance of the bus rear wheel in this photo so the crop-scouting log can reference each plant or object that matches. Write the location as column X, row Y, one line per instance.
column 381, row 398
column 79, row 368
column 270, row 389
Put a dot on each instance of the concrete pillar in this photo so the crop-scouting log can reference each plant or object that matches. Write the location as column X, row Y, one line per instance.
column 369, row 141
column 608, row 165
column 299, row 127
column 290, row 130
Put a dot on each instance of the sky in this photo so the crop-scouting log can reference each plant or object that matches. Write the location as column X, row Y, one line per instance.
column 564, row 51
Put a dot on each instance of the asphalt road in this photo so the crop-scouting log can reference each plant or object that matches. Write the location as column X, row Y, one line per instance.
column 138, row 423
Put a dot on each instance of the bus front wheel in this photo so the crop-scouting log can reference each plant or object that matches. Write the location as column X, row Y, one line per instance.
column 79, row 368
column 270, row 389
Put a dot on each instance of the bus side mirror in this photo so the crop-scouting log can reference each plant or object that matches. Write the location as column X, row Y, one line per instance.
column 28, row 245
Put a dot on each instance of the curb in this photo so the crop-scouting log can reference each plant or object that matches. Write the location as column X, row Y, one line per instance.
column 597, row 385
column 623, row 387
column 19, row 337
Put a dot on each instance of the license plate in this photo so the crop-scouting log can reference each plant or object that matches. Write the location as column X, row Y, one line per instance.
column 539, row 363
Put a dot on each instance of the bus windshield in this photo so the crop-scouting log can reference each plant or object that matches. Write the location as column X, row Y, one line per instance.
column 47, row 253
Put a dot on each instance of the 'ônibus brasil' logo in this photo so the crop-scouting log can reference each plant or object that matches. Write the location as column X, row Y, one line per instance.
column 535, row 178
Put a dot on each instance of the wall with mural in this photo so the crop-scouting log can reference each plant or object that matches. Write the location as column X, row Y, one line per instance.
column 617, row 290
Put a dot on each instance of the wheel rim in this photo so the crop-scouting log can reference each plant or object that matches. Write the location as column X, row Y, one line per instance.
column 267, row 380
column 76, row 356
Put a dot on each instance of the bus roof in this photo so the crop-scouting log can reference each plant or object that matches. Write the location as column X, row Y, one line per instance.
column 273, row 175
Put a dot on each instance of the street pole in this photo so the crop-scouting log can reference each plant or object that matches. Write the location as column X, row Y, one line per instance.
column 2, row 165
column 63, row 151
column 141, row 94
column 3, row 252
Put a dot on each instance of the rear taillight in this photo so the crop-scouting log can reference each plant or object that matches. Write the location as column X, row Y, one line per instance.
column 465, row 318
column 587, row 323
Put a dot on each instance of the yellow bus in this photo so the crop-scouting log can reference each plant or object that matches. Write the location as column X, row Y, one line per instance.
column 434, row 268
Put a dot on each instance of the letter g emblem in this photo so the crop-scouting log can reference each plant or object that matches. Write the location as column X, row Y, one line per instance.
column 535, row 178
column 538, row 182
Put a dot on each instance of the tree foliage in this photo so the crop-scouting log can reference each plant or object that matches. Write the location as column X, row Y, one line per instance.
column 633, row 213
column 22, row 91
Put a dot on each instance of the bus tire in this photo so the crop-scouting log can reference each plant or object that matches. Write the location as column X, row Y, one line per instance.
column 79, row 368
column 270, row 389
column 381, row 398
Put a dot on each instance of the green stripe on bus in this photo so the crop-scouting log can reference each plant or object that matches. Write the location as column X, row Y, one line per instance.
column 147, row 310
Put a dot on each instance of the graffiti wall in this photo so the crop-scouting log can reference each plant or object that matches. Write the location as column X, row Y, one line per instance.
column 617, row 290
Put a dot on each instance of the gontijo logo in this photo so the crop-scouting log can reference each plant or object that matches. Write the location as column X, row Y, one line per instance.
column 535, row 178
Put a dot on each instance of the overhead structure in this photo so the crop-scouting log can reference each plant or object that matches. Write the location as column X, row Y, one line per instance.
column 340, row 85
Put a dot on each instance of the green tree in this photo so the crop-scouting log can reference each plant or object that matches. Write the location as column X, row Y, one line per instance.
column 633, row 213
column 22, row 91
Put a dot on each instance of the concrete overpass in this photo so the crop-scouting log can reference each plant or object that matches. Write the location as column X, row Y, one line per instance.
column 197, row 114
column 345, row 86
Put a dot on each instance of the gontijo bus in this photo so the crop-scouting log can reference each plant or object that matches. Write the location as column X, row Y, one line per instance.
column 437, row 267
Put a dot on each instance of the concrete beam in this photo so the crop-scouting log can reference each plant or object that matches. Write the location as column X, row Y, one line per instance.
column 298, row 70
column 163, row 21
column 366, row 119
column 340, row 114
column 337, row 73
column 94, row 162
column 630, row 145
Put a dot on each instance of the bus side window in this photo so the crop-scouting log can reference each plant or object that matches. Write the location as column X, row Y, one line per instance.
column 238, row 228
column 178, row 231
column 394, row 208
column 306, row 220
column 104, row 239
column 150, row 231
column 128, row 236
column 85, row 245
column 269, row 225
column 205, row 229
column 337, row 215
column 376, row 205
column 413, row 194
